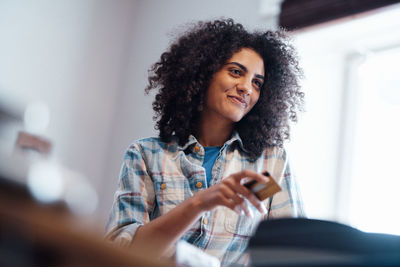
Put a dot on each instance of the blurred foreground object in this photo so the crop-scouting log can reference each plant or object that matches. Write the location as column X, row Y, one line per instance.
column 47, row 181
column 39, row 144
column 39, row 233
column 307, row 242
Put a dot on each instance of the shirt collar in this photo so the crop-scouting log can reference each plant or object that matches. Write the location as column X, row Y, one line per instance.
column 235, row 138
column 192, row 140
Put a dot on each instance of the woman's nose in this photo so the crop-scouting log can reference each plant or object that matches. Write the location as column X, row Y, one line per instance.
column 244, row 87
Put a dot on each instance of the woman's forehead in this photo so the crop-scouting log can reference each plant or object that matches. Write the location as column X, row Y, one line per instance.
column 248, row 58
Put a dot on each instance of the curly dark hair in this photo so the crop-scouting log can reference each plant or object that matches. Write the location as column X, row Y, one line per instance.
column 183, row 74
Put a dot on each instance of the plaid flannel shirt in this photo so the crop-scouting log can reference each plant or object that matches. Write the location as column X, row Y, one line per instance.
column 157, row 176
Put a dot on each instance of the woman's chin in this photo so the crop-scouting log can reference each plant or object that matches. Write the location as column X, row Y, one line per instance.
column 236, row 117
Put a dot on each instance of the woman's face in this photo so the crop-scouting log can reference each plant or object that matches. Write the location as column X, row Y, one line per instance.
column 235, row 88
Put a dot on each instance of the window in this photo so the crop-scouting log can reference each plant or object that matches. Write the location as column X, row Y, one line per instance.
column 345, row 148
column 374, row 174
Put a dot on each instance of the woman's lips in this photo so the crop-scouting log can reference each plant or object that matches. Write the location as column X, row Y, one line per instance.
column 237, row 100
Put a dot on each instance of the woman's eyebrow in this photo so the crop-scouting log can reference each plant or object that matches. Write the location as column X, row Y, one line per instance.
column 244, row 69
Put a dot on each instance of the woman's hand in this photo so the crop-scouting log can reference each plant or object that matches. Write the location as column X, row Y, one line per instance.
column 230, row 192
column 169, row 227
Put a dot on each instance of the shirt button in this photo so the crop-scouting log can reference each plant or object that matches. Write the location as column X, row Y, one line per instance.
column 205, row 221
column 199, row 184
column 197, row 148
column 163, row 186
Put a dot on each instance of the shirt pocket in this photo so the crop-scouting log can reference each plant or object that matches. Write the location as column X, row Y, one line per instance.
column 241, row 224
column 170, row 191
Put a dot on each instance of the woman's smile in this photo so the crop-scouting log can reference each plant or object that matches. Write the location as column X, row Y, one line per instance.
column 238, row 101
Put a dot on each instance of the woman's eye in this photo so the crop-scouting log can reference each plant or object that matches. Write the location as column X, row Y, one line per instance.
column 258, row 83
column 235, row 71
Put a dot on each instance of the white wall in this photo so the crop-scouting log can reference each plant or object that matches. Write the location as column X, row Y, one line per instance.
column 71, row 56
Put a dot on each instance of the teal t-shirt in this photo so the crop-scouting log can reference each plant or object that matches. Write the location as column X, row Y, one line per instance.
column 211, row 155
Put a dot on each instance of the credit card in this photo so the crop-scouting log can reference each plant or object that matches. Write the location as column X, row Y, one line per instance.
column 263, row 190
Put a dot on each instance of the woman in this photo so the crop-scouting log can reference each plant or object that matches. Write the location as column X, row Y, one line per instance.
column 224, row 100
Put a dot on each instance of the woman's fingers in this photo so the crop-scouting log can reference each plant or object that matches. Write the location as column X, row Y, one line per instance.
column 251, row 197
column 231, row 193
column 250, row 174
column 236, row 202
column 246, row 210
column 239, row 188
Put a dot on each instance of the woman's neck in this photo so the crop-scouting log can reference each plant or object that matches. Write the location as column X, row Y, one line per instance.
column 214, row 133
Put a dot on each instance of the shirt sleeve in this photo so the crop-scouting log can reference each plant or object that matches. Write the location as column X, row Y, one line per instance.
column 288, row 202
column 134, row 199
